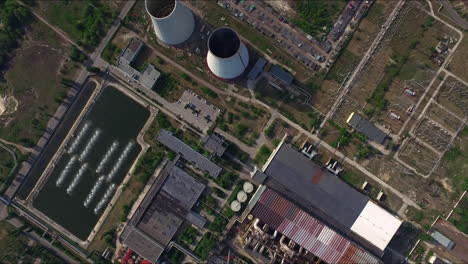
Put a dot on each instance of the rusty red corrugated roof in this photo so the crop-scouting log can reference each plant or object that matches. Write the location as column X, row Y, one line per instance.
column 307, row 231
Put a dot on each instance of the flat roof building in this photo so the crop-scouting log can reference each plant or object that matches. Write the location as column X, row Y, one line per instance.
column 148, row 77
column 330, row 199
column 257, row 69
column 132, row 50
column 367, row 128
column 173, row 143
column 281, row 74
column 449, row 242
column 165, row 207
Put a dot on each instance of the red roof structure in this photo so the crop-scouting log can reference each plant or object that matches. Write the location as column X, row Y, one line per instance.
column 308, row 232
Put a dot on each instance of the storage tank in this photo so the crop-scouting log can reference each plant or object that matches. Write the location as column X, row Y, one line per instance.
column 173, row 22
column 227, row 56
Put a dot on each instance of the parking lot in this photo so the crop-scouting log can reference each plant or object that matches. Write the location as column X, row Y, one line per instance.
column 197, row 111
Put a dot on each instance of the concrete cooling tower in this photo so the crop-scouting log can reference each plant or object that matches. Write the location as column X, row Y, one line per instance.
column 227, row 56
column 173, row 22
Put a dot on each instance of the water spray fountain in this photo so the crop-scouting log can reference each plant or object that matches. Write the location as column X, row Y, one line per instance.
column 107, row 156
column 66, row 171
column 77, row 178
column 120, row 160
column 90, row 196
column 79, row 138
column 90, row 144
column 105, row 198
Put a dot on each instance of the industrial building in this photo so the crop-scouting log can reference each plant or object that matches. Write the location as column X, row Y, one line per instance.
column 227, row 56
column 189, row 154
column 367, row 128
column 282, row 232
column 148, row 77
column 163, row 210
column 173, row 22
column 257, row 69
column 278, row 73
column 328, row 198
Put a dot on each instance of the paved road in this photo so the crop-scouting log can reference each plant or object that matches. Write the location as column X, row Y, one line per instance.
column 96, row 55
column 454, row 14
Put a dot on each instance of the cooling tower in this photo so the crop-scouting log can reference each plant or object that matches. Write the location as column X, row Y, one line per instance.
column 173, row 22
column 227, row 56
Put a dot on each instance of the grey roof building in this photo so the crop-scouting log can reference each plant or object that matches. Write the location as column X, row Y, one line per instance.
column 443, row 240
column 367, row 128
column 148, row 77
column 173, row 143
column 257, row 69
column 215, row 143
column 293, row 173
column 132, row 50
column 281, row 74
column 166, row 206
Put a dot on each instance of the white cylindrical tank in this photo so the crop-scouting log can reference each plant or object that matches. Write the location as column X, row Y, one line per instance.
column 173, row 22
column 227, row 56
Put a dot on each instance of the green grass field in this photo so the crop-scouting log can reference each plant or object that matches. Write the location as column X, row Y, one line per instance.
column 34, row 79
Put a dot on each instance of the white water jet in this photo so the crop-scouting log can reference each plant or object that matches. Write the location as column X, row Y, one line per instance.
column 77, row 179
column 90, row 144
column 80, row 137
column 93, row 191
column 65, row 171
column 120, row 160
column 105, row 198
column 107, row 156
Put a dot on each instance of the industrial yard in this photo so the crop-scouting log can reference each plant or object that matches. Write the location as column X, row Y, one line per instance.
column 237, row 131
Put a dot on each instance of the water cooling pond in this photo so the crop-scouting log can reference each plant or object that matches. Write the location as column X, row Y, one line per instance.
column 95, row 161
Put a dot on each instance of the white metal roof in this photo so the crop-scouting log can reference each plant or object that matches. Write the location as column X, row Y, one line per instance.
column 376, row 225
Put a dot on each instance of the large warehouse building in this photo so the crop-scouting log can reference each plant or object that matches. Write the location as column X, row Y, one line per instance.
column 173, row 22
column 227, row 56
column 328, row 198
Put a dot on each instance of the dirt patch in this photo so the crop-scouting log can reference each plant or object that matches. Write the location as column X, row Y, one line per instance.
column 418, row 156
column 454, row 96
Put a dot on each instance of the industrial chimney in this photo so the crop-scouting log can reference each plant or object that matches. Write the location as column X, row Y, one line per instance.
column 227, row 56
column 172, row 21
